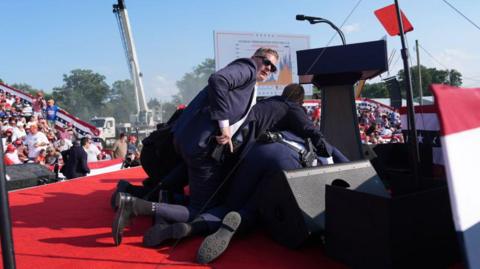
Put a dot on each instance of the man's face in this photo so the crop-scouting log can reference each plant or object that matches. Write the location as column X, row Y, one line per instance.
column 265, row 66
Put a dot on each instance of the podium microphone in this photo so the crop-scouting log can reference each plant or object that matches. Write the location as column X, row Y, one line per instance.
column 314, row 20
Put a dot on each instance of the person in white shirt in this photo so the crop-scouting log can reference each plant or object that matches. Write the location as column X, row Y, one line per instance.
column 92, row 153
column 35, row 142
column 19, row 132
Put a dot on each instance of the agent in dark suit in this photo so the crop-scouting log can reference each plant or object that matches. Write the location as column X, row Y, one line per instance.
column 76, row 163
column 212, row 117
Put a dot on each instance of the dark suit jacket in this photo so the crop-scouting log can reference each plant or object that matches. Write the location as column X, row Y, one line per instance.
column 226, row 96
column 76, row 163
column 277, row 114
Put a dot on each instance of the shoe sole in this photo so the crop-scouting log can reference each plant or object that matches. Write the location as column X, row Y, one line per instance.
column 215, row 244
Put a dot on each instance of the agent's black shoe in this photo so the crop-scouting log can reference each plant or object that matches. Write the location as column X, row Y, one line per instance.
column 215, row 244
column 159, row 233
column 122, row 186
column 123, row 216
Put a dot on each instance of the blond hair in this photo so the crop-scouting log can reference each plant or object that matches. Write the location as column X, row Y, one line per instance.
column 262, row 52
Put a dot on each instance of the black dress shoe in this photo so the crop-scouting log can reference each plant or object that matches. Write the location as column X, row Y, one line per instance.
column 123, row 216
column 122, row 186
column 159, row 233
column 215, row 244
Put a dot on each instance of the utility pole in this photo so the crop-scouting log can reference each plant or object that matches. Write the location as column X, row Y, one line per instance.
column 420, row 91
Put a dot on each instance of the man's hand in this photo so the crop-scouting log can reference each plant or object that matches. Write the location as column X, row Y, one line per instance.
column 225, row 137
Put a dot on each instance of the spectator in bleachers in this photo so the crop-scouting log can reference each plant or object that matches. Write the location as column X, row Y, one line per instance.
column 8, row 136
column 38, row 105
column 316, row 115
column 27, row 110
column 35, row 141
column 92, row 152
column 22, row 151
column 9, row 99
column 51, row 113
column 52, row 157
column 41, row 157
column 63, row 142
column 19, row 132
column 14, row 112
column 18, row 104
column 11, row 156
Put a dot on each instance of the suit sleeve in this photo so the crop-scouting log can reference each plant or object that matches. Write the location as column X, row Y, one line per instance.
column 301, row 125
column 83, row 163
column 227, row 79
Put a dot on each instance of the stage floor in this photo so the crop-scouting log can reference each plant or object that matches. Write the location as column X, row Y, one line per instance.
column 68, row 225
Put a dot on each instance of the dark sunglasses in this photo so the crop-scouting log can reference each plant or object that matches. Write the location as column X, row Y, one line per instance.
column 267, row 62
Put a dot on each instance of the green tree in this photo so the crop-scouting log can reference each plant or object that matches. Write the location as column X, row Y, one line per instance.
column 168, row 108
column 375, row 90
column 153, row 103
column 24, row 87
column 83, row 93
column 121, row 101
column 429, row 76
column 192, row 82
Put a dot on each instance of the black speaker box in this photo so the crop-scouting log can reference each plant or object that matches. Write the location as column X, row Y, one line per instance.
column 292, row 203
column 415, row 230
column 27, row 175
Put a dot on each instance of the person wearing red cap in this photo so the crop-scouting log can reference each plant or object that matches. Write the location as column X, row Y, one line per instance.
column 11, row 156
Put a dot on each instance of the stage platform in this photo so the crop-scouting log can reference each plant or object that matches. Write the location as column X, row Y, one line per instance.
column 68, row 225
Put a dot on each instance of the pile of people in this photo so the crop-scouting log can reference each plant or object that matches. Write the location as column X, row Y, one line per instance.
column 228, row 144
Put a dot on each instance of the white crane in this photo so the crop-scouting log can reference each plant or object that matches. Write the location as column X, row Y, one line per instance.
column 143, row 116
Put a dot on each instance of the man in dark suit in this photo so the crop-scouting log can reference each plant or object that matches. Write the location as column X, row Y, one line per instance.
column 76, row 160
column 210, row 119
column 213, row 117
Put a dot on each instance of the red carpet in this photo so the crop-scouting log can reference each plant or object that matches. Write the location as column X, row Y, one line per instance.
column 68, row 225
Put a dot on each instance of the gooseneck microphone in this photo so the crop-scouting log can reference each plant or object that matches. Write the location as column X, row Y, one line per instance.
column 314, row 20
column 308, row 18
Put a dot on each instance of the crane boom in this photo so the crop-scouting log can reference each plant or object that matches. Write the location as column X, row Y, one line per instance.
column 143, row 114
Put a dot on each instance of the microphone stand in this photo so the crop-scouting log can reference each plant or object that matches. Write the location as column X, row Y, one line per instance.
column 8, row 253
column 314, row 20
column 412, row 129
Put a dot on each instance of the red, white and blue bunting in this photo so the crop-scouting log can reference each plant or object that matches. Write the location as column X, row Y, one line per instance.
column 63, row 117
column 459, row 117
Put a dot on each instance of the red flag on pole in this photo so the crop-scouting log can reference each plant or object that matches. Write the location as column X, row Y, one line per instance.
column 388, row 17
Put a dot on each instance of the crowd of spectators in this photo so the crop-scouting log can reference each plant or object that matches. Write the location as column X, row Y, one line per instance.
column 379, row 127
column 29, row 134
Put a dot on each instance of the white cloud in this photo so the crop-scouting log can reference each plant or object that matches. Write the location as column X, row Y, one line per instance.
column 463, row 61
column 350, row 28
column 160, row 87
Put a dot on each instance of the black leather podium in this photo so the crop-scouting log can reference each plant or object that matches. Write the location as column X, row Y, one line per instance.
column 335, row 70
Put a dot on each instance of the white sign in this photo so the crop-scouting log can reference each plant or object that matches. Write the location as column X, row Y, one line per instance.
column 233, row 45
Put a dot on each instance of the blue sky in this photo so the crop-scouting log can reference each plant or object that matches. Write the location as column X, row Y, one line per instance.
column 42, row 40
